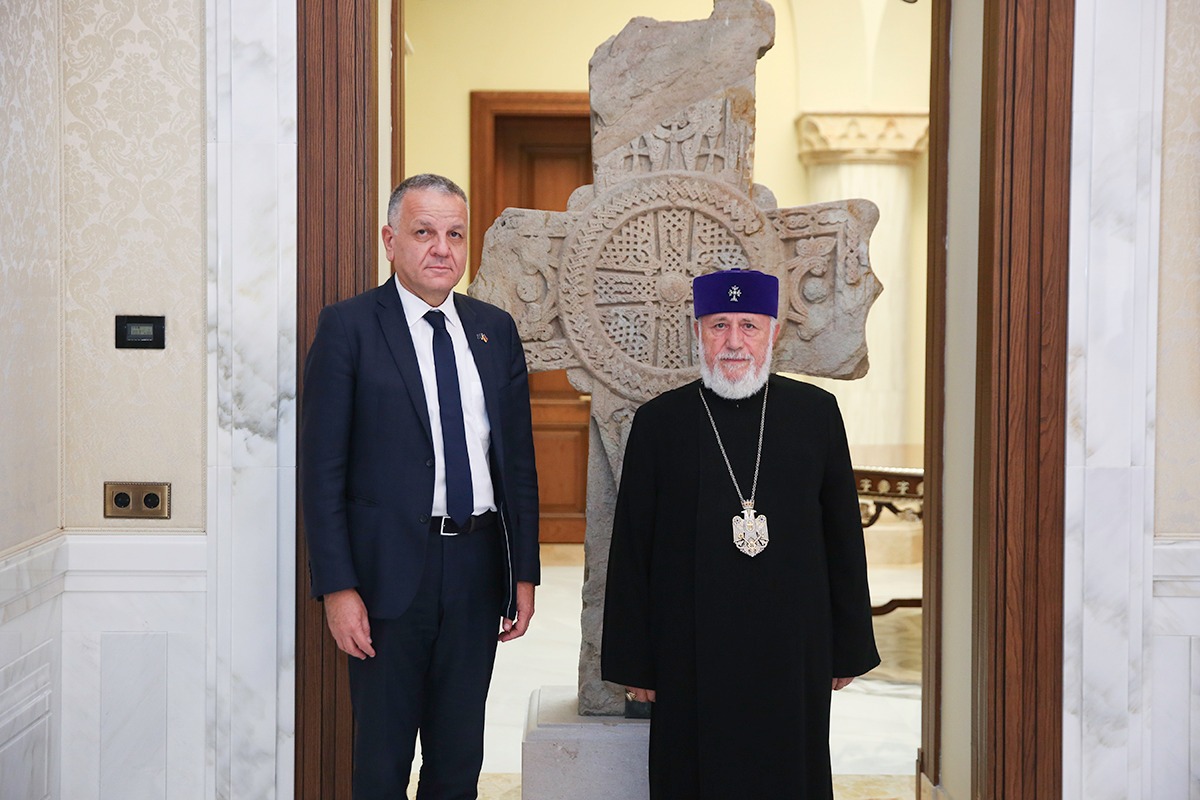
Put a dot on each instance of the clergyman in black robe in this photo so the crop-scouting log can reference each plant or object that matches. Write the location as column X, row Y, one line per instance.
column 738, row 652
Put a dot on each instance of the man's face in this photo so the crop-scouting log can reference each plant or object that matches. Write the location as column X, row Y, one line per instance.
column 427, row 243
column 736, row 349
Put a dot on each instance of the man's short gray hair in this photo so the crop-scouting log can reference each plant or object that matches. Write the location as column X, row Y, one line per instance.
column 426, row 180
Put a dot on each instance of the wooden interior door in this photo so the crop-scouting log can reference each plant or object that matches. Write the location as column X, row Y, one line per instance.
column 539, row 149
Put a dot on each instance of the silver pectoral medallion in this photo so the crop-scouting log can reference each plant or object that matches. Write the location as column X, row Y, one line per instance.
column 750, row 532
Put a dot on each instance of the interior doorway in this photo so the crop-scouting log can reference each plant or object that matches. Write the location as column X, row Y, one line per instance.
column 531, row 150
column 1015, row 675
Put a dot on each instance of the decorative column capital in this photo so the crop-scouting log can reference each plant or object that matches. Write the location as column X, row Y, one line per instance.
column 858, row 137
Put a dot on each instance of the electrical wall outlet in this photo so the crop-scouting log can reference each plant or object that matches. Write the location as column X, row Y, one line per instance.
column 137, row 500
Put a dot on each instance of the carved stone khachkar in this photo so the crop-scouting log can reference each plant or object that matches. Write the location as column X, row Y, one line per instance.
column 603, row 290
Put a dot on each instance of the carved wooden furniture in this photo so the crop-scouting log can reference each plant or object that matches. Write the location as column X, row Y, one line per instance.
column 899, row 491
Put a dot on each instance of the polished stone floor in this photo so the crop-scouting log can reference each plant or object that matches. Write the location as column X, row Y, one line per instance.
column 875, row 722
column 846, row 787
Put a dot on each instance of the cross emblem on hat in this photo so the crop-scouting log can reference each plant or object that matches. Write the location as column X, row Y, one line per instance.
column 734, row 293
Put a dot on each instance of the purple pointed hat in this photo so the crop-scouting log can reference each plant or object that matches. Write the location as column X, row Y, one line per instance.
column 732, row 291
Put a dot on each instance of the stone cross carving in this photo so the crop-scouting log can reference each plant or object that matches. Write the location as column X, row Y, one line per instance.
column 603, row 290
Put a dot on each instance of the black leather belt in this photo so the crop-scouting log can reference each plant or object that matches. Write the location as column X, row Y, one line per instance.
column 447, row 527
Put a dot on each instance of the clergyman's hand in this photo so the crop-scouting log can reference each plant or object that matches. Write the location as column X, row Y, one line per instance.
column 841, row 683
column 347, row 618
column 515, row 628
column 640, row 695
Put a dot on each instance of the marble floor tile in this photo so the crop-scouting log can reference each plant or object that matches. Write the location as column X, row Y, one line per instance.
column 562, row 555
column 548, row 655
column 898, row 637
column 492, row 786
column 873, row 787
column 506, row 786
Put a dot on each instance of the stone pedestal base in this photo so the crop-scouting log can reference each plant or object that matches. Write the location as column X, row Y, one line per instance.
column 568, row 757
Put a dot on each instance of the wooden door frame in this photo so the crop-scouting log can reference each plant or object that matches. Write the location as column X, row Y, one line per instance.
column 929, row 758
column 486, row 107
column 397, row 98
column 1020, row 393
column 336, row 257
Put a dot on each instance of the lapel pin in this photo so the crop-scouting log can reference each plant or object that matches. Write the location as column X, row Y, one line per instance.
column 481, row 337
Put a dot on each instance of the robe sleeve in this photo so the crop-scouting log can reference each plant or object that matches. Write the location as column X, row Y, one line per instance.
column 853, row 646
column 626, row 655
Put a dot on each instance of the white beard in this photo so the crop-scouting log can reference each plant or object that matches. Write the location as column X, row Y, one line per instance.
column 745, row 386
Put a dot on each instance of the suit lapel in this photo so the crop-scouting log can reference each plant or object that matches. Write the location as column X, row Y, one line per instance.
column 395, row 332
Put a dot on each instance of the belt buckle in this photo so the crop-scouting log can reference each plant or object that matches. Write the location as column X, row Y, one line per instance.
column 442, row 527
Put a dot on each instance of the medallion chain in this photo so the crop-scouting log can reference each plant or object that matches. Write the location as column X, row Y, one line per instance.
column 762, row 424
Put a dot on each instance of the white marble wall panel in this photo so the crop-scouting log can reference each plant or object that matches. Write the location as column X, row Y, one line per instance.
column 252, row 370
column 1178, row 560
column 101, row 643
column 133, row 715
column 1176, row 593
column 1176, row 659
column 286, row 365
column 1112, row 237
column 1111, row 633
column 25, row 762
column 254, row 66
column 285, row 664
column 31, row 583
column 1108, row 570
column 1172, row 694
column 1193, row 711
column 30, row 577
column 254, row 657
column 285, row 20
column 221, row 288
column 255, row 306
column 133, row 666
column 27, row 725
column 1073, row 583
column 1176, row 615
column 218, row 707
column 81, row 733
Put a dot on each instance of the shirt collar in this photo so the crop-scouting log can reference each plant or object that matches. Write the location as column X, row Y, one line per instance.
column 415, row 308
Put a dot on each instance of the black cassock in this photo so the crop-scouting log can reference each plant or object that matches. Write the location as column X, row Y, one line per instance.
column 741, row 651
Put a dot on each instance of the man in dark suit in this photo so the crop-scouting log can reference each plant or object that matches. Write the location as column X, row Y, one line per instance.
column 420, row 498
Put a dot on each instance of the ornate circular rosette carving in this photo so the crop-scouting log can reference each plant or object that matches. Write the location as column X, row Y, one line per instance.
column 625, row 279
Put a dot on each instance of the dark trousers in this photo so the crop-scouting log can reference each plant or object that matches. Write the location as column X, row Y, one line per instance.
column 430, row 673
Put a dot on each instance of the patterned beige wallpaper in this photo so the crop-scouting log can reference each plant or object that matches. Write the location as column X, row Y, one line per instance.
column 1177, row 456
column 133, row 212
column 30, row 282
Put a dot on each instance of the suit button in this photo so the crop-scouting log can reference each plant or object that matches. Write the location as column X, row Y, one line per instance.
column 429, row 462
column 424, row 519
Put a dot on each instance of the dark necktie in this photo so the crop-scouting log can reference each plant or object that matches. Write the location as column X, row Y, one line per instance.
column 460, row 500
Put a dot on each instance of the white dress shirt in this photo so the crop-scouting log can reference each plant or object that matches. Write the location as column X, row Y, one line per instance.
column 479, row 430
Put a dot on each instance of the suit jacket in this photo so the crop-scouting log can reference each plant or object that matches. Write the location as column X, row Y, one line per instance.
column 366, row 451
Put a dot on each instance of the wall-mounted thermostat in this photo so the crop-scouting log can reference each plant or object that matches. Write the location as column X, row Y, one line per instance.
column 141, row 332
